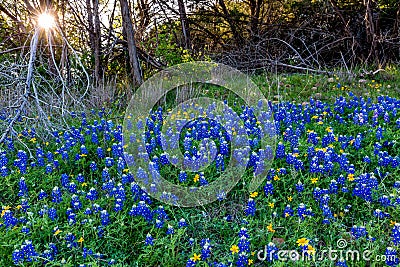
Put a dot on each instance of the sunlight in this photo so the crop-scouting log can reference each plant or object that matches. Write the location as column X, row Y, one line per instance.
column 46, row 21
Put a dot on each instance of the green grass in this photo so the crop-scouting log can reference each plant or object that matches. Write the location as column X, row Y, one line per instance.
column 123, row 240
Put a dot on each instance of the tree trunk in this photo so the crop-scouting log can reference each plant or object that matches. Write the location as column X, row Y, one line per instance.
column 185, row 24
column 90, row 24
column 255, row 8
column 130, row 36
column 97, row 43
column 231, row 22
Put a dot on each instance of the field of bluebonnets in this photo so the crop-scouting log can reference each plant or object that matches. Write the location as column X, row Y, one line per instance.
column 334, row 183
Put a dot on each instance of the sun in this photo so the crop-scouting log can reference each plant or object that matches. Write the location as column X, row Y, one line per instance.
column 46, row 21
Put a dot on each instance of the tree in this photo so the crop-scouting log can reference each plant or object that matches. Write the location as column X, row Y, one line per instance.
column 185, row 24
column 131, row 43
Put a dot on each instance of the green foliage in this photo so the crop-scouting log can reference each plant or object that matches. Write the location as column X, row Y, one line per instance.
column 123, row 239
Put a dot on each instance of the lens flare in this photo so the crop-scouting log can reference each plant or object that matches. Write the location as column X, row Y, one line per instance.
column 46, row 21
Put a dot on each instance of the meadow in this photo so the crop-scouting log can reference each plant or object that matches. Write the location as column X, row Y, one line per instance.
column 333, row 184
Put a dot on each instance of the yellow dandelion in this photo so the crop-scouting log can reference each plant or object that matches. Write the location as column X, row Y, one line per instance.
column 196, row 178
column 234, row 249
column 270, row 228
column 302, row 241
column 311, row 249
column 314, row 180
column 57, row 232
column 254, row 194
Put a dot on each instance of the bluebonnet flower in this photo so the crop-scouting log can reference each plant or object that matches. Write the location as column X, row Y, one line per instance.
column 119, row 204
column 182, row 176
column 23, row 188
column 149, row 240
column 104, row 217
column 182, row 223
column 49, row 169
column 243, row 232
column 87, row 211
column 25, row 230
column 206, row 248
column 379, row 135
column 92, row 194
column 4, row 171
column 84, row 150
column 75, row 202
column 268, row 188
column 341, row 263
column 71, row 216
column 396, row 234
column 29, row 251
column 161, row 214
column 242, row 260
column 380, row 214
column 109, row 162
column 288, row 211
column 202, row 180
column 142, row 209
column 190, row 263
column 86, row 252
column 64, row 156
column 391, row 257
column 96, row 208
column 64, row 180
column 93, row 166
column 244, row 244
column 219, row 161
column 366, row 159
column 100, row 153
column 170, row 230
column 384, row 201
column 159, row 223
column 52, row 213
column 105, row 175
column 299, row 187
column 251, row 207
column 70, row 240
column 302, row 211
column 42, row 211
column 18, row 257
column 8, row 219
column 72, row 188
column 271, row 252
column 80, row 178
column 358, row 231
column 56, row 195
